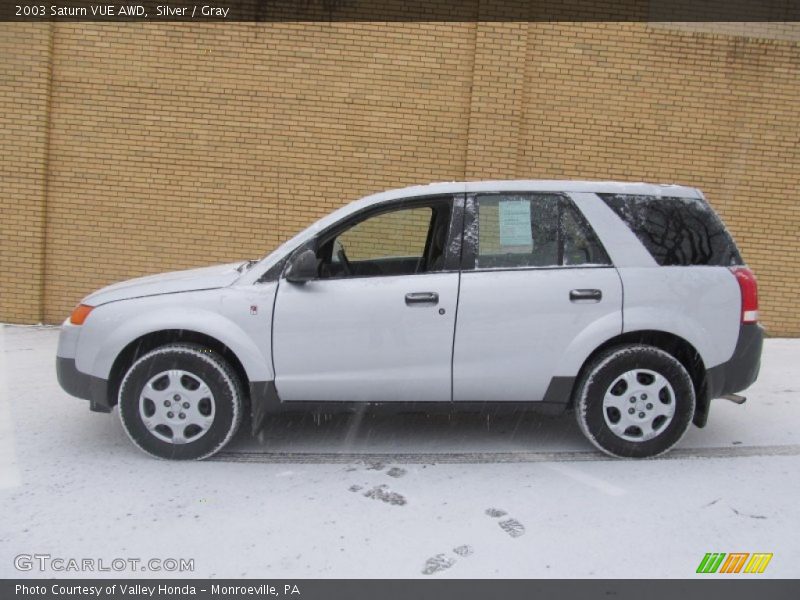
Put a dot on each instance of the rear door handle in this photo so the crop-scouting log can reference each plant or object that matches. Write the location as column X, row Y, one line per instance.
column 422, row 298
column 585, row 296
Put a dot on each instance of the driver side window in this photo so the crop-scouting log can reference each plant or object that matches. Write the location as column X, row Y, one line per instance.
column 403, row 241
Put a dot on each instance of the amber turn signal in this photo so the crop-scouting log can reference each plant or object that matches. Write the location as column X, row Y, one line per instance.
column 80, row 313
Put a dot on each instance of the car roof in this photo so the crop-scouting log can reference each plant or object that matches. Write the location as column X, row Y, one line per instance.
column 535, row 185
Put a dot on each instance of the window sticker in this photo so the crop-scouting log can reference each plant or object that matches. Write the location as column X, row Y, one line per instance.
column 515, row 225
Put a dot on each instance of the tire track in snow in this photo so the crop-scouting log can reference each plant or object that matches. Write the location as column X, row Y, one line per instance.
column 490, row 457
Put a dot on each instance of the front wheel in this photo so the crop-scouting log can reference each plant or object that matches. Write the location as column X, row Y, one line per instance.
column 635, row 401
column 180, row 401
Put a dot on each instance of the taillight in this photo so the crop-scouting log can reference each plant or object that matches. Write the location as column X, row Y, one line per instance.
column 80, row 313
column 749, row 289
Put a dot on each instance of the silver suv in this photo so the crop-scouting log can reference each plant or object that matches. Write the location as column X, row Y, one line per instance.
column 627, row 303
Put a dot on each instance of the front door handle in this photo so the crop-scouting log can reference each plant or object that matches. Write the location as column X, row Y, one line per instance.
column 585, row 296
column 422, row 298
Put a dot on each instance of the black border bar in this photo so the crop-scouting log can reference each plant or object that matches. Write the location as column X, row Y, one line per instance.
column 744, row 587
column 402, row 10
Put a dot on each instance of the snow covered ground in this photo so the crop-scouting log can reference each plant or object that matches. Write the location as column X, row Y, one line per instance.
column 402, row 496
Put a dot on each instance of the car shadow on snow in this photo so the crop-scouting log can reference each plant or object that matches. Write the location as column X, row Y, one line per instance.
column 413, row 433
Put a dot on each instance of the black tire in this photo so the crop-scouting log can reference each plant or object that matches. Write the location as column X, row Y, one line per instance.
column 596, row 418
column 224, row 400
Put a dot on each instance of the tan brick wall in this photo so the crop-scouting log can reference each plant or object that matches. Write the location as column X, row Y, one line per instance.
column 496, row 109
column 164, row 146
column 24, row 97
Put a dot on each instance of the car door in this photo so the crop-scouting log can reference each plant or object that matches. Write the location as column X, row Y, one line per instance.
column 377, row 324
column 536, row 281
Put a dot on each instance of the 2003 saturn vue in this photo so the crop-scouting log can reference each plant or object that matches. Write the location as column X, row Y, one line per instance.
column 628, row 304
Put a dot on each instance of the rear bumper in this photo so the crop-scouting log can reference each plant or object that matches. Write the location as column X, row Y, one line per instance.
column 742, row 369
column 735, row 375
column 82, row 385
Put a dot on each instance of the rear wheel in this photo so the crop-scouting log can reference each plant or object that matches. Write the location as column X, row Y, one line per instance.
column 635, row 401
column 180, row 401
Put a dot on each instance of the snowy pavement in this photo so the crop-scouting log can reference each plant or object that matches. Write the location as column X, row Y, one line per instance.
column 396, row 496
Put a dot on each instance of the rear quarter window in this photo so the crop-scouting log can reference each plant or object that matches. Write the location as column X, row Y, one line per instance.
column 676, row 231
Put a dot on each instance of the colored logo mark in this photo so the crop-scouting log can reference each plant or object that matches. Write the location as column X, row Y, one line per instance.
column 734, row 562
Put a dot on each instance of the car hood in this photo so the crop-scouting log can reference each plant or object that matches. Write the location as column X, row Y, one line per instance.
column 167, row 283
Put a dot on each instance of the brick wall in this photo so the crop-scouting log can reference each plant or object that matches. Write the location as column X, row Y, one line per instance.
column 137, row 148
column 24, row 94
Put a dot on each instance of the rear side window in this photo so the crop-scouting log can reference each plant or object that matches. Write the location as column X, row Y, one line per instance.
column 676, row 231
column 534, row 230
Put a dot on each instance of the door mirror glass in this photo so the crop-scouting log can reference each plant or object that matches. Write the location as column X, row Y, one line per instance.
column 303, row 267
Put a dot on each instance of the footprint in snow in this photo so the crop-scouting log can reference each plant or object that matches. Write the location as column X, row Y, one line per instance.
column 511, row 526
column 382, row 492
column 437, row 563
column 441, row 562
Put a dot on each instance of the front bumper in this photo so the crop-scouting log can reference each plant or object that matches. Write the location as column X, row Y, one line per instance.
column 82, row 385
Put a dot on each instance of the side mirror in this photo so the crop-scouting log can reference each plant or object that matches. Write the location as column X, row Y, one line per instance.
column 303, row 267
